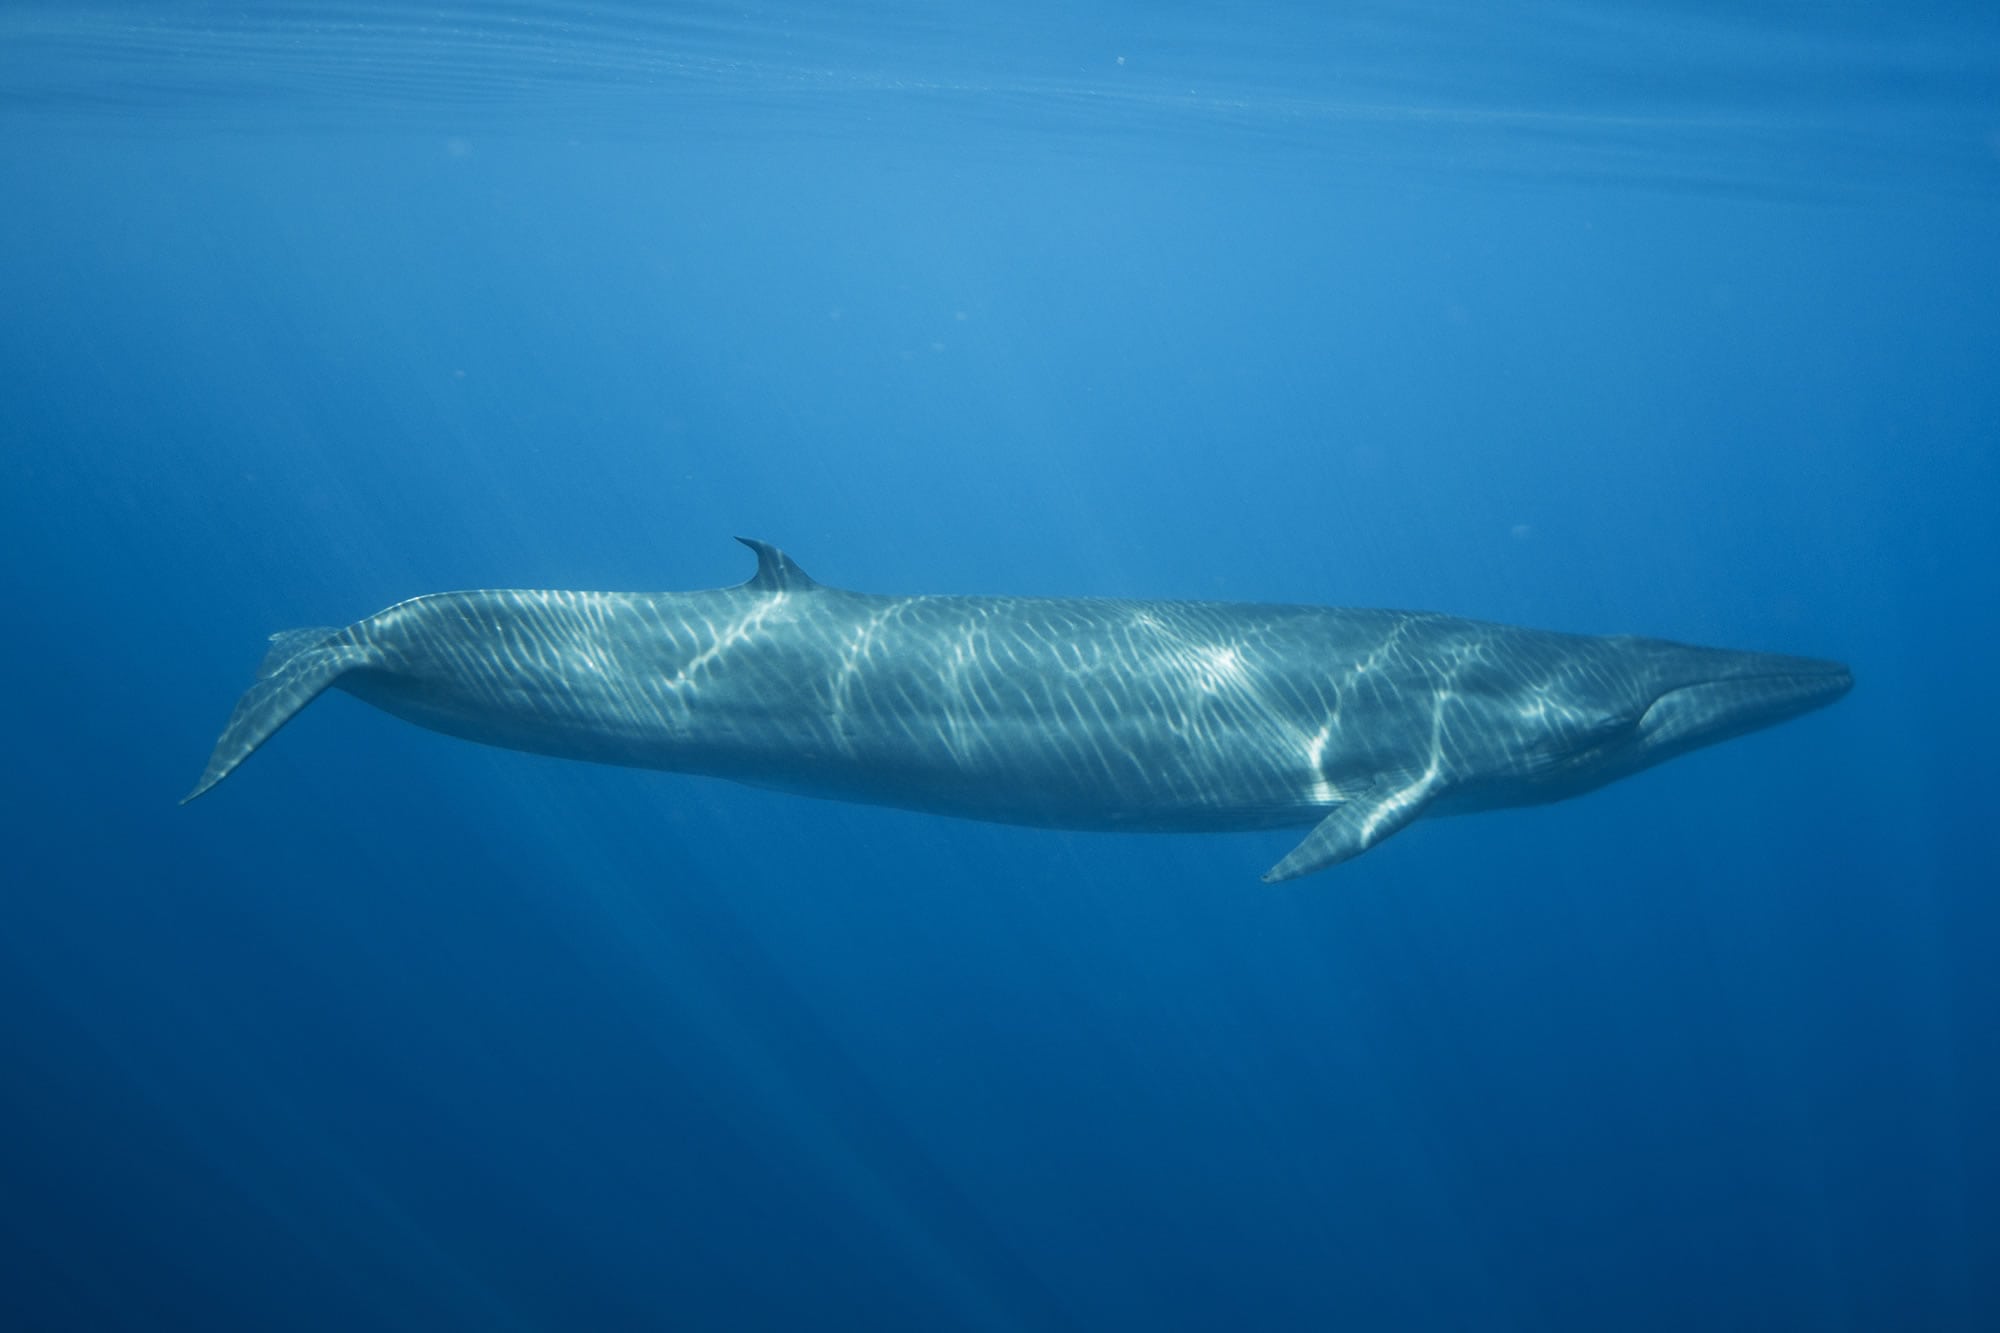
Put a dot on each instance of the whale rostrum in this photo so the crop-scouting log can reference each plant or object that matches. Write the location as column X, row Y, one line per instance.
column 1081, row 713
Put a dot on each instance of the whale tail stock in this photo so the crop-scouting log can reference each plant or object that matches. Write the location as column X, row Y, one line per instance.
column 300, row 664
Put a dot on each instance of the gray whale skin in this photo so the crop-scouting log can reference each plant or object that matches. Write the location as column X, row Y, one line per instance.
column 1058, row 712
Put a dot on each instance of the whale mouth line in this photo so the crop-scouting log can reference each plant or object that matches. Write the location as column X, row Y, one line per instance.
column 1732, row 704
column 1833, row 681
column 1827, row 677
column 1832, row 675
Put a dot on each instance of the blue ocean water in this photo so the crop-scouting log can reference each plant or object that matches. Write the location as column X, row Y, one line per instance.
column 1677, row 319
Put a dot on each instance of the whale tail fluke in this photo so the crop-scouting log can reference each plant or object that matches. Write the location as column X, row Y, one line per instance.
column 300, row 664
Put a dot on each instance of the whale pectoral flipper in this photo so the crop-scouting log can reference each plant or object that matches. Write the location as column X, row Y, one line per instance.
column 1354, row 826
column 300, row 664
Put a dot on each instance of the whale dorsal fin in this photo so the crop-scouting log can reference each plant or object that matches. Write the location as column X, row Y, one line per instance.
column 776, row 571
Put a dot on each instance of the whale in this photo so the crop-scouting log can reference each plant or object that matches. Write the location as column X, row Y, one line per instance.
column 1056, row 712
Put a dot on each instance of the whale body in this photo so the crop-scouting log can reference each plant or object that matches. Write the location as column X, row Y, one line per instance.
column 1077, row 713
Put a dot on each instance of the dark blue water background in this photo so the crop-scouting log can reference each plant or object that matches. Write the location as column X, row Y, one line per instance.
column 1674, row 319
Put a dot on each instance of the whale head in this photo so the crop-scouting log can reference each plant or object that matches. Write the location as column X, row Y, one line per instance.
column 1628, row 703
column 1699, row 696
column 1676, row 698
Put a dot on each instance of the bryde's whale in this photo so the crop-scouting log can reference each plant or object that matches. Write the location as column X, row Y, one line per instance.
column 1059, row 712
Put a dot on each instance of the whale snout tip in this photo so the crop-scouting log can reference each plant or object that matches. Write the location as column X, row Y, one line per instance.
column 1822, row 680
column 1801, row 684
column 1806, row 679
